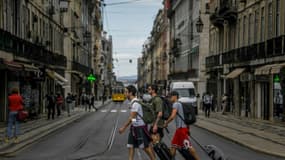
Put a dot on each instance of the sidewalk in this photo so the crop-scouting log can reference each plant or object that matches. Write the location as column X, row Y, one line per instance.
column 259, row 135
column 32, row 131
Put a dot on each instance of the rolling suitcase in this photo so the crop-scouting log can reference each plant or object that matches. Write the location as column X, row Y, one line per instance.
column 162, row 151
column 186, row 154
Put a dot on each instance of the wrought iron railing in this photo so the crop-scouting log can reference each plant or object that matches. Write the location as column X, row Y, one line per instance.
column 26, row 49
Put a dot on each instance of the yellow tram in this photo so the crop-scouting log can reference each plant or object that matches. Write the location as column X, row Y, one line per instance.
column 118, row 93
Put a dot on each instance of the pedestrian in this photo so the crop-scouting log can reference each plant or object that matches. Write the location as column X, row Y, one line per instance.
column 224, row 103
column 138, row 135
column 83, row 100
column 181, row 138
column 213, row 103
column 156, row 129
column 86, row 102
column 68, row 101
column 208, row 103
column 59, row 103
column 73, row 103
column 278, row 101
column 15, row 105
column 51, row 105
column 92, row 101
column 103, row 98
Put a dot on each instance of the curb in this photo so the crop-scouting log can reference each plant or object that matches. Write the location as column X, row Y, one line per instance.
column 255, row 148
column 38, row 134
column 41, row 132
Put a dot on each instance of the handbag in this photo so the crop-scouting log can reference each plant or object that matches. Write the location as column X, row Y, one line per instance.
column 22, row 115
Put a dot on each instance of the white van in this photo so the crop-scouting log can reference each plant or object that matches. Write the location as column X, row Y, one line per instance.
column 186, row 91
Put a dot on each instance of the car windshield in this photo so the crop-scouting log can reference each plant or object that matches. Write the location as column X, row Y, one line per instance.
column 186, row 92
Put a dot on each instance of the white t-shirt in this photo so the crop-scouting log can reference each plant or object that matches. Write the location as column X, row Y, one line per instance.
column 136, row 107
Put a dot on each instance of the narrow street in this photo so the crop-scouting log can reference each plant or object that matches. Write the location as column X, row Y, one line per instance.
column 96, row 137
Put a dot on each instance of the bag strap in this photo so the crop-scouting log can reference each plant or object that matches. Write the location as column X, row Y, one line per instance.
column 136, row 101
column 180, row 115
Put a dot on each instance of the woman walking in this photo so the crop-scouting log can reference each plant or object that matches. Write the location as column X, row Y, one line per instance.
column 15, row 104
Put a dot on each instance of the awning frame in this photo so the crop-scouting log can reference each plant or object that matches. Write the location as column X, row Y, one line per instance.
column 235, row 73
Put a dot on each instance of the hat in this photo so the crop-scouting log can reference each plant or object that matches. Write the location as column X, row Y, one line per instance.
column 174, row 93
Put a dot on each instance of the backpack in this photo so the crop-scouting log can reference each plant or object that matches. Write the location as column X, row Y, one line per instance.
column 166, row 108
column 148, row 113
column 189, row 114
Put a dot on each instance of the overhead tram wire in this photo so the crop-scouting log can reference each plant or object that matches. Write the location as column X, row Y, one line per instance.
column 121, row 3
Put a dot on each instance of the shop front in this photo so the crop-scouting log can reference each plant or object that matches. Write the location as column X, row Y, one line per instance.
column 21, row 76
column 269, row 101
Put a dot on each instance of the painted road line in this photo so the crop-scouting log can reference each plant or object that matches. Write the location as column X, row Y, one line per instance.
column 114, row 110
column 104, row 110
column 124, row 110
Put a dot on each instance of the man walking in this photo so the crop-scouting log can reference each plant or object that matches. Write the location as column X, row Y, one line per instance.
column 68, row 101
column 181, row 138
column 208, row 103
column 278, row 101
column 51, row 105
column 92, row 101
column 59, row 103
column 156, row 101
column 138, row 135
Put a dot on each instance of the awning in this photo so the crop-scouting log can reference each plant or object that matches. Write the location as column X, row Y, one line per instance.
column 13, row 66
column 269, row 69
column 235, row 73
column 30, row 68
column 57, row 77
column 276, row 68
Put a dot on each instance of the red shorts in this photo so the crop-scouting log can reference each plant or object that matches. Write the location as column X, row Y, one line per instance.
column 181, row 138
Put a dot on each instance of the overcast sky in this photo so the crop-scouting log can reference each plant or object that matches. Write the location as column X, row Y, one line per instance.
column 130, row 25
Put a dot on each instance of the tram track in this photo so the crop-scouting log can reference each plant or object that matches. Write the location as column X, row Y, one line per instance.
column 110, row 140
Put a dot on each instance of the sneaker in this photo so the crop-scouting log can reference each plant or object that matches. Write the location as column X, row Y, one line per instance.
column 16, row 140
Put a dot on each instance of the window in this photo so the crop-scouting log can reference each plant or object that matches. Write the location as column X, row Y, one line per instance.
column 239, row 32
column 244, row 30
column 269, row 20
column 250, row 29
column 262, row 25
column 277, row 27
column 256, row 27
column 1, row 11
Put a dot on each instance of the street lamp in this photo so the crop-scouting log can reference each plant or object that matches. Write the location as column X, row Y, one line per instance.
column 199, row 25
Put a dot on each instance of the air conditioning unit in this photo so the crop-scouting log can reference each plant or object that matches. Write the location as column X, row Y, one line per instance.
column 63, row 5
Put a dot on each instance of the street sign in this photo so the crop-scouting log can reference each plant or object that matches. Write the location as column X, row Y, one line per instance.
column 276, row 78
column 91, row 78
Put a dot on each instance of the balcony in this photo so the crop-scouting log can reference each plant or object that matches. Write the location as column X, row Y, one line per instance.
column 278, row 45
column 212, row 61
column 228, row 10
column 217, row 20
column 261, row 50
column 25, row 49
column 269, row 48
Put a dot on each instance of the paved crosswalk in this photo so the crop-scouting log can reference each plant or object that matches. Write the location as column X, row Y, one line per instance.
column 114, row 110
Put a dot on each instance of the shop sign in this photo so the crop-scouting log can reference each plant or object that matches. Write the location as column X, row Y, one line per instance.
column 40, row 75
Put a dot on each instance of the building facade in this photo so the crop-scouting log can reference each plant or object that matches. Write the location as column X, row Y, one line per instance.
column 42, row 44
column 106, row 65
column 188, row 48
column 247, row 55
column 153, row 65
